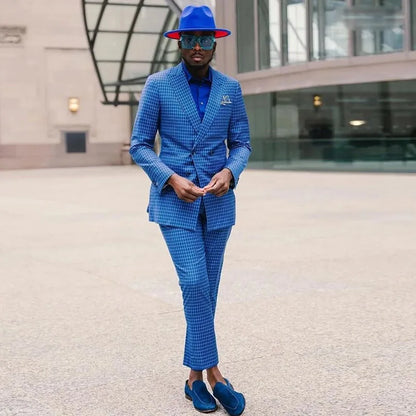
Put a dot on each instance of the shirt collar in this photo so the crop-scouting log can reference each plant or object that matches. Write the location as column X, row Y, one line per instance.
column 190, row 78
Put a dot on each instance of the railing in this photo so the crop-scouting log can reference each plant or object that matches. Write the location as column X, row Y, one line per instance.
column 361, row 154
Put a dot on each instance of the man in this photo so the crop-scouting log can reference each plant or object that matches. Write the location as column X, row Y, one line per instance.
column 201, row 118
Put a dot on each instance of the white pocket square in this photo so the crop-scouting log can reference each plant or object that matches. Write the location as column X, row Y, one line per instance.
column 225, row 100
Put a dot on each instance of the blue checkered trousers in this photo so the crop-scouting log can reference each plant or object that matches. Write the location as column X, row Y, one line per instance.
column 196, row 233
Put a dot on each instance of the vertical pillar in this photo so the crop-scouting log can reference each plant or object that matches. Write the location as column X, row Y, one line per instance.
column 226, row 54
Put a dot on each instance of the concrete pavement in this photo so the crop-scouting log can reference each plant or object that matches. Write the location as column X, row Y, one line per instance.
column 316, row 313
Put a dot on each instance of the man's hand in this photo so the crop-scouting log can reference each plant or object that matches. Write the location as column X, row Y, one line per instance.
column 184, row 188
column 220, row 183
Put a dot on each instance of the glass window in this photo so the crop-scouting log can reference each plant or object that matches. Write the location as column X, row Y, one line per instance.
column 378, row 26
column 109, row 71
column 413, row 23
column 245, row 35
column 117, row 18
column 92, row 11
column 142, row 47
column 294, row 31
column 134, row 2
column 149, row 18
column 109, row 46
column 368, row 126
column 269, row 33
column 131, row 71
column 76, row 141
column 259, row 110
column 329, row 31
column 154, row 3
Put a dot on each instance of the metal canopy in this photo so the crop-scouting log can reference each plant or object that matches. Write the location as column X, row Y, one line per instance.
column 127, row 44
column 126, row 41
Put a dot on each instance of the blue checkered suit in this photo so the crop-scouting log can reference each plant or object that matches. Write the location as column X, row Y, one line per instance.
column 196, row 233
column 191, row 148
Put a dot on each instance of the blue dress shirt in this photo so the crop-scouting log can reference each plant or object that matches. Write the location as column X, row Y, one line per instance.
column 200, row 89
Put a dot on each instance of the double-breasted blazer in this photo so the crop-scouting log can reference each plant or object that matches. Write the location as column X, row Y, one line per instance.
column 193, row 148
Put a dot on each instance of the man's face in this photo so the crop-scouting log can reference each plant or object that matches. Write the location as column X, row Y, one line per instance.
column 197, row 57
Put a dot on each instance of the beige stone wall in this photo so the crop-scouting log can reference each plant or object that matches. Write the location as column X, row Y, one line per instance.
column 44, row 60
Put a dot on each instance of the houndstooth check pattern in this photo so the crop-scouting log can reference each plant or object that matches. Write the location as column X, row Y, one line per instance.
column 198, row 258
column 196, row 233
column 192, row 148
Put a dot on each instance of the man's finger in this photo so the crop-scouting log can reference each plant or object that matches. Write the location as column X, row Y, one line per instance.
column 188, row 198
column 210, row 186
column 194, row 191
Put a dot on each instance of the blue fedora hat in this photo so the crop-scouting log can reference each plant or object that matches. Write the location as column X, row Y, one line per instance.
column 197, row 19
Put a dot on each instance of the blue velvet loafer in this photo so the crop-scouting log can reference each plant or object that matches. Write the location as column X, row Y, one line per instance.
column 200, row 397
column 232, row 401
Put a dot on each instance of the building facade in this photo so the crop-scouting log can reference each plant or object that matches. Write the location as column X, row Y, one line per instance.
column 51, row 113
column 328, row 84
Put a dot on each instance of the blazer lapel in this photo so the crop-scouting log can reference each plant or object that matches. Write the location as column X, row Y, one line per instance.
column 213, row 105
column 183, row 93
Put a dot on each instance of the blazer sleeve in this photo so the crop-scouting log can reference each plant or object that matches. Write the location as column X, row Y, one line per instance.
column 144, row 133
column 238, row 141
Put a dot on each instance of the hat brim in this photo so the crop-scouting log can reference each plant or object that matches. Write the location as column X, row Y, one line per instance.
column 176, row 34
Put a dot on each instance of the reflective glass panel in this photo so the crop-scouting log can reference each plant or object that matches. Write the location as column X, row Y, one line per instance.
column 136, row 70
column 413, row 23
column 259, row 110
column 142, row 47
column 92, row 11
column 167, row 51
column 110, row 46
column 117, row 18
column 108, row 71
column 245, row 36
column 150, row 19
column 129, row 88
column 269, row 33
column 368, row 126
column 295, row 31
column 124, row 1
column 329, row 31
column 378, row 26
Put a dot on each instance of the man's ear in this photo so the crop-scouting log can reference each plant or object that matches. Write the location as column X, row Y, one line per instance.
column 179, row 44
